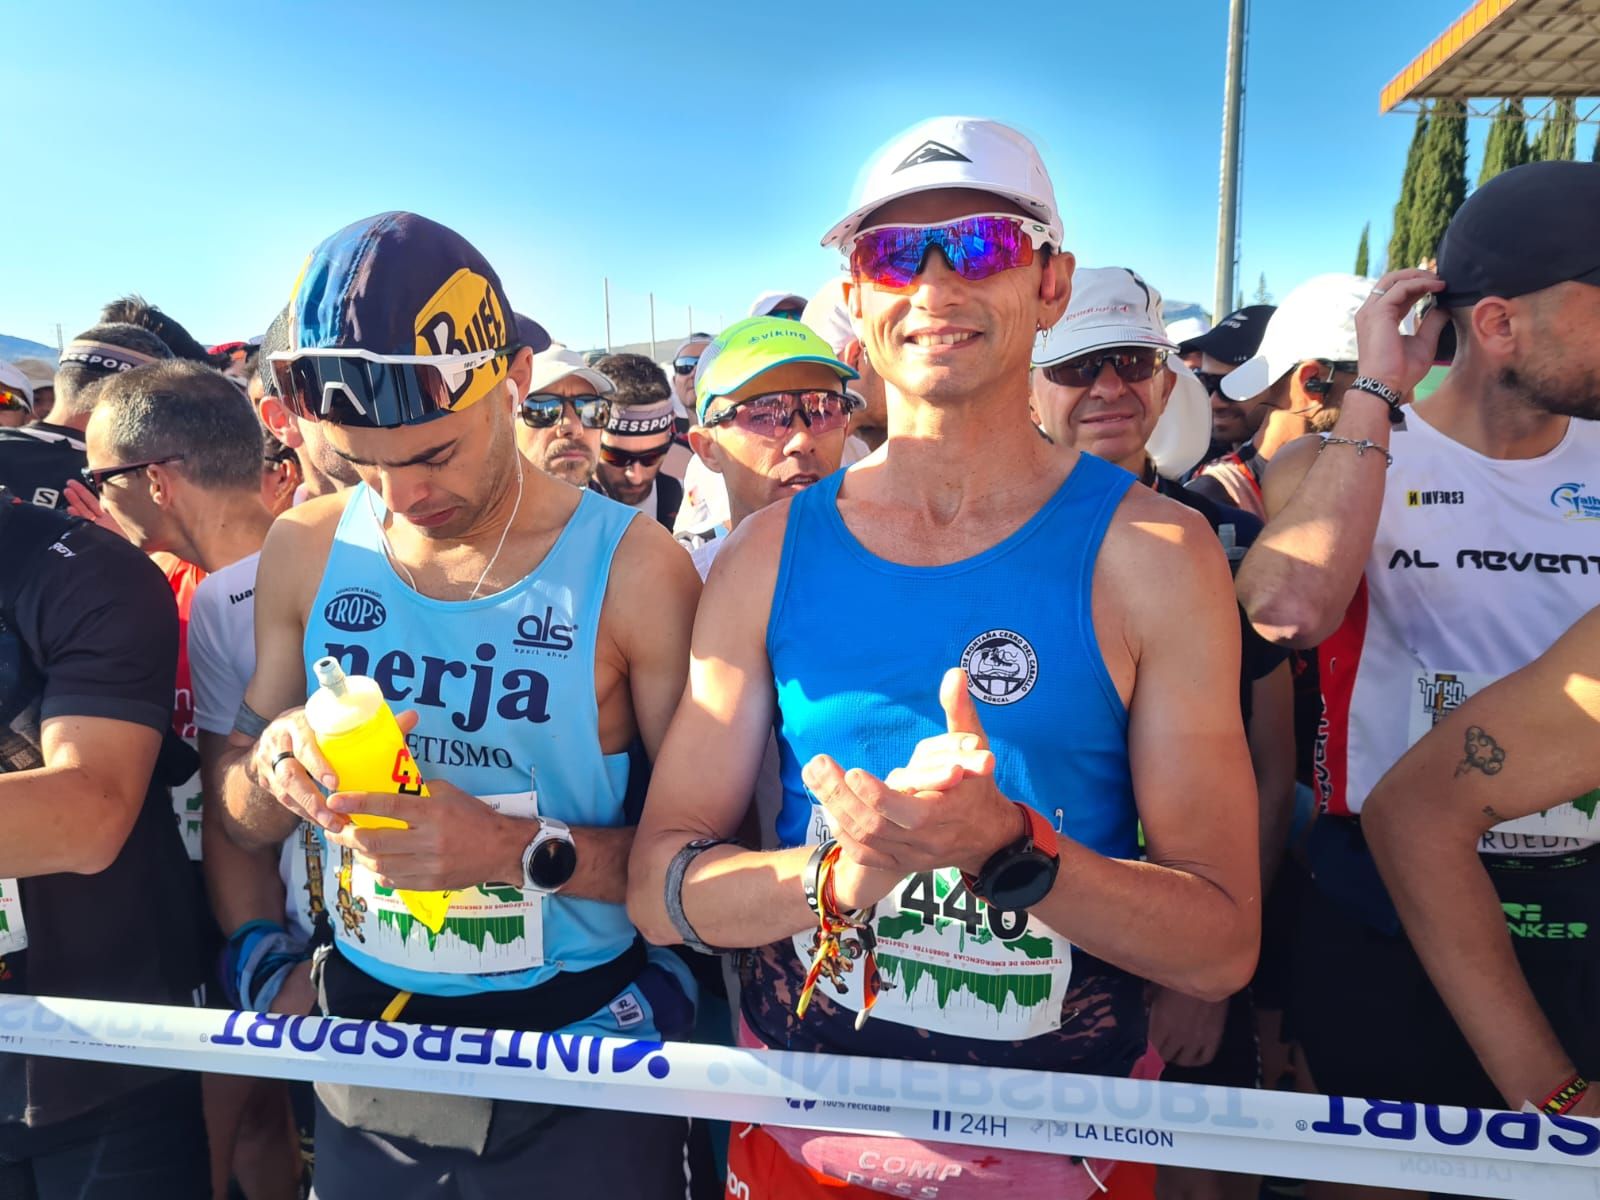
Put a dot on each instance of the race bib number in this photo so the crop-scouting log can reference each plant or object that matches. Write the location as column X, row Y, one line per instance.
column 487, row 930
column 186, row 807
column 1558, row 830
column 13, row 931
column 958, row 965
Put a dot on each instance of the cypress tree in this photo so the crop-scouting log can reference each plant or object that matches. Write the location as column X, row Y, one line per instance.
column 1441, row 183
column 1400, row 239
column 1558, row 139
column 1361, row 249
column 1507, row 145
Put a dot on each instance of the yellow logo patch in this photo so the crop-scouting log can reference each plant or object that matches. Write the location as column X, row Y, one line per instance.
column 463, row 317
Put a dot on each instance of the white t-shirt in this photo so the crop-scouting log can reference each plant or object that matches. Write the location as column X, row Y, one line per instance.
column 647, row 506
column 222, row 657
column 705, row 493
column 222, row 643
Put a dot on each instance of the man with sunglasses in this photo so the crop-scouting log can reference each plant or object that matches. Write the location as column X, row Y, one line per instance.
column 637, row 437
column 560, row 420
column 1293, row 383
column 1217, row 353
column 1107, row 381
column 16, row 397
column 1428, row 550
column 494, row 606
column 972, row 784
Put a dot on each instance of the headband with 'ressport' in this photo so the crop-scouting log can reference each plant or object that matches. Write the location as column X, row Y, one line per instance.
column 104, row 356
column 641, row 419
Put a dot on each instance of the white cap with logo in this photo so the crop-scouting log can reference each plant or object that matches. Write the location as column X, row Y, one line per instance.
column 1113, row 306
column 555, row 364
column 954, row 152
column 768, row 302
column 1315, row 321
column 15, row 382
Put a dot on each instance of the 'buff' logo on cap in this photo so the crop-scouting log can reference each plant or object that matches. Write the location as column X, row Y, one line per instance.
column 463, row 317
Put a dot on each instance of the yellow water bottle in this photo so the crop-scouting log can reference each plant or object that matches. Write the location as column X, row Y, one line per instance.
column 357, row 734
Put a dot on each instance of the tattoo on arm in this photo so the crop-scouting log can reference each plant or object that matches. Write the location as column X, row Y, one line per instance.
column 1482, row 753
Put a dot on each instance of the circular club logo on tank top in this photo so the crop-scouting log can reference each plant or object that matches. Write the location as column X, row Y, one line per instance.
column 1001, row 666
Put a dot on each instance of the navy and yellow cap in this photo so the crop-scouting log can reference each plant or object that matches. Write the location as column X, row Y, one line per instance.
column 400, row 284
column 747, row 348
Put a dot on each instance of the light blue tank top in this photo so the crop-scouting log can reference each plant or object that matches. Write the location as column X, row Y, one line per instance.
column 1017, row 617
column 504, row 689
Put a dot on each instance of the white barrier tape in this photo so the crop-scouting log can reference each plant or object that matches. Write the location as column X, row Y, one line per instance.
column 1460, row 1151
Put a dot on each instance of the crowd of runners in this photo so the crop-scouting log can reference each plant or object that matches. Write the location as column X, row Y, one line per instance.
column 957, row 665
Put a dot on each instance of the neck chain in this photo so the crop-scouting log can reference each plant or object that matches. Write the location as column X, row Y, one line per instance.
column 388, row 550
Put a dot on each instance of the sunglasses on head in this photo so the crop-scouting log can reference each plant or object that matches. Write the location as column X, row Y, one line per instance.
column 617, row 457
column 976, row 247
column 542, row 410
column 379, row 391
column 772, row 414
column 1131, row 365
column 686, row 364
column 95, row 480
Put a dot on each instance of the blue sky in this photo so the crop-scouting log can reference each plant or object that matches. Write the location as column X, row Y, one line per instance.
column 195, row 152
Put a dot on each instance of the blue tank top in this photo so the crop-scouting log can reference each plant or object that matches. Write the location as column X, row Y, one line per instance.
column 969, row 983
column 504, row 689
column 1017, row 617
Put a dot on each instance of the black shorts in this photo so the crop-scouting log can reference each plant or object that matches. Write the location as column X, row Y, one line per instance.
column 1369, row 1020
column 149, row 1145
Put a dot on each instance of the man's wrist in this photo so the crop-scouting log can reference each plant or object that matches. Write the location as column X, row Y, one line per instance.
column 1009, row 829
column 510, row 845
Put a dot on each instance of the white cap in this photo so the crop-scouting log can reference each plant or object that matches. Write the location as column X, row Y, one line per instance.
column 1110, row 306
column 826, row 313
column 1316, row 320
column 11, row 377
column 768, row 301
column 954, row 152
column 555, row 364
column 1188, row 327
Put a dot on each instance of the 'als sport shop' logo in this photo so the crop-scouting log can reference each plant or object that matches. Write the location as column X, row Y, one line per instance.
column 1572, row 502
column 355, row 610
column 544, row 633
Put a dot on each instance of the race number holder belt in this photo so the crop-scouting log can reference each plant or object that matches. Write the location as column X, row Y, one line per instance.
column 348, row 991
column 476, row 1124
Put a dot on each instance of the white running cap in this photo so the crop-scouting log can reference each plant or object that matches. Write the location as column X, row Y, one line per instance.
column 954, row 152
column 13, row 379
column 556, row 363
column 1189, row 327
column 1316, row 320
column 768, row 301
column 1110, row 306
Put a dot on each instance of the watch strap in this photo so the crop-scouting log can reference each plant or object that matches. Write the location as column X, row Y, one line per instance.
column 1038, row 834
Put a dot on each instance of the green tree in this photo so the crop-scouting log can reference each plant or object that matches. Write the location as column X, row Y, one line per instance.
column 1558, row 138
column 1262, row 295
column 1238, row 300
column 1400, row 239
column 1362, row 249
column 1507, row 145
column 1441, row 182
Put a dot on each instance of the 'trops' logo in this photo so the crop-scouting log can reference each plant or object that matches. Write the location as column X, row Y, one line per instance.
column 355, row 611
column 1001, row 666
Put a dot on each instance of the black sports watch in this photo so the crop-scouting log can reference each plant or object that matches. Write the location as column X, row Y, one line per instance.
column 550, row 859
column 1021, row 874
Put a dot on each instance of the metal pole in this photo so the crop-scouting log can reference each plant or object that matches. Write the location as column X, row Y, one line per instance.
column 652, row 327
column 691, row 320
column 608, row 314
column 1228, row 209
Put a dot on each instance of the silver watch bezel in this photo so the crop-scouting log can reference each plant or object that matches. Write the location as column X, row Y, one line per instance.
column 550, row 830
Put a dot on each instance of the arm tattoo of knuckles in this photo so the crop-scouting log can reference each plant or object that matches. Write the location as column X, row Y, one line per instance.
column 1482, row 753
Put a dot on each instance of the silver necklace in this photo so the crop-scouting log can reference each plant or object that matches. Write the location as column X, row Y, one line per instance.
column 383, row 536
